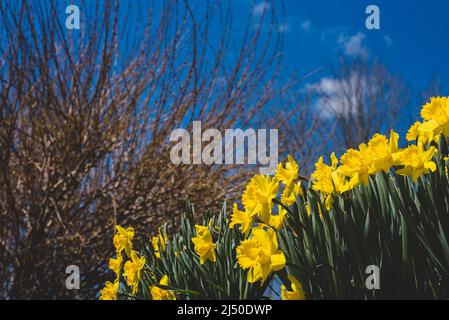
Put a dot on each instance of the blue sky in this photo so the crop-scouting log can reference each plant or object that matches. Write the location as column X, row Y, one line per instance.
column 413, row 40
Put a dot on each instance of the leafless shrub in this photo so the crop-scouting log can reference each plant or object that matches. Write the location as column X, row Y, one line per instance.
column 303, row 133
column 362, row 97
column 85, row 119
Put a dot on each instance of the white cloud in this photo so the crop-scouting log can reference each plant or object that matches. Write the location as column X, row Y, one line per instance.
column 260, row 8
column 353, row 45
column 340, row 96
column 305, row 25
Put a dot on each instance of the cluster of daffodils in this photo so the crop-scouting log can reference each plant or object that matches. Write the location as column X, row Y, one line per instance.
column 382, row 154
column 435, row 115
column 260, row 221
column 257, row 199
column 123, row 243
column 261, row 213
column 132, row 269
column 258, row 253
column 355, row 166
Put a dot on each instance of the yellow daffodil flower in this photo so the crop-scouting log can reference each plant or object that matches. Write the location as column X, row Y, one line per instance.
column 242, row 218
column 260, row 255
column 416, row 161
column 257, row 200
column 159, row 243
column 296, row 294
column 258, row 196
column 413, row 133
column 116, row 264
column 381, row 152
column 133, row 270
column 427, row 132
column 288, row 174
column 266, row 191
column 290, row 192
column 436, row 114
column 162, row 294
column 109, row 292
column 203, row 244
column 122, row 240
column 329, row 180
column 357, row 163
column 249, row 200
column 436, row 122
column 277, row 221
column 322, row 176
column 251, row 207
